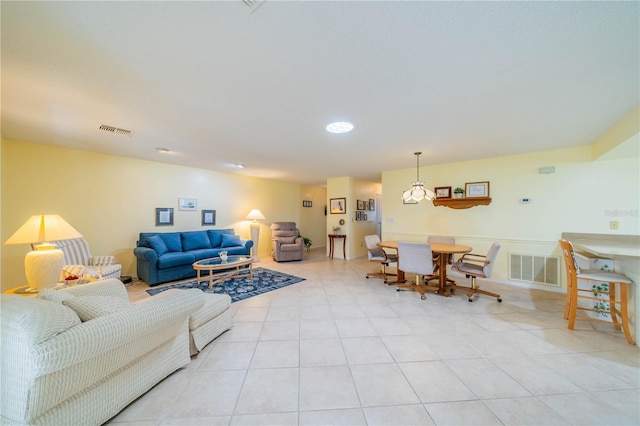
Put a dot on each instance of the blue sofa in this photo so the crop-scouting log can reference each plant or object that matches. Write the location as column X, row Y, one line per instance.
column 169, row 256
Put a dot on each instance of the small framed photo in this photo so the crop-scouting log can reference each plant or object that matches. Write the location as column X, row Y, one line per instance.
column 372, row 204
column 357, row 214
column 306, row 203
column 187, row 204
column 443, row 191
column 360, row 205
column 164, row 216
column 208, row 217
column 338, row 205
column 364, row 216
column 476, row 189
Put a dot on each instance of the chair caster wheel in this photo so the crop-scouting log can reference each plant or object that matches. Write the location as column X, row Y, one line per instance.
column 470, row 300
column 499, row 300
column 423, row 297
column 453, row 290
column 367, row 277
column 435, row 292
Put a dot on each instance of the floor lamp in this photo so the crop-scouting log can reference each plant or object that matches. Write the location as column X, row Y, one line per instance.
column 44, row 264
column 255, row 215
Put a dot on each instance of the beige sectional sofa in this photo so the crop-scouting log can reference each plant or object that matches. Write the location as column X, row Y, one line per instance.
column 87, row 352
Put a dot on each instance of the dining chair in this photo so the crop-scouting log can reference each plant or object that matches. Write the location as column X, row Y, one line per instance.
column 444, row 239
column 416, row 258
column 376, row 254
column 478, row 266
column 599, row 302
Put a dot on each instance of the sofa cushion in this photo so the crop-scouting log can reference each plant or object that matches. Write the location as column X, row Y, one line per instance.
column 287, row 240
column 229, row 240
column 156, row 243
column 54, row 295
column 169, row 260
column 215, row 237
column 172, row 240
column 91, row 307
column 194, row 240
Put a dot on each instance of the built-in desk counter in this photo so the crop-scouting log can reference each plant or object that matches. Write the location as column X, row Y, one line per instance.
column 625, row 251
column 607, row 245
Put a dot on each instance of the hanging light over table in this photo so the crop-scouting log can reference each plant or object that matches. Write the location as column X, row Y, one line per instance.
column 417, row 192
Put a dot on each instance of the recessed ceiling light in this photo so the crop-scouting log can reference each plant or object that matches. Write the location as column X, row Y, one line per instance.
column 239, row 166
column 340, row 127
column 163, row 150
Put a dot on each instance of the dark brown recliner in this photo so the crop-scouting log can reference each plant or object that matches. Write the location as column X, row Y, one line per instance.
column 286, row 244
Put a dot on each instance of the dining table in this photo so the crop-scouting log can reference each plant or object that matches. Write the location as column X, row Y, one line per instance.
column 444, row 250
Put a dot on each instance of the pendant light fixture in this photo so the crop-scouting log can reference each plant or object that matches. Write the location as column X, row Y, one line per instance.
column 417, row 192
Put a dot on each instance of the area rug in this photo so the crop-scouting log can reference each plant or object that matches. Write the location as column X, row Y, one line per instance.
column 239, row 288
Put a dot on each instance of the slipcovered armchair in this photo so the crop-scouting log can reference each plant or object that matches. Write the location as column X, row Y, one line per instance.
column 286, row 242
column 78, row 260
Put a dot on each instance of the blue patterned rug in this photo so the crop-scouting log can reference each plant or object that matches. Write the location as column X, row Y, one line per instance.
column 264, row 280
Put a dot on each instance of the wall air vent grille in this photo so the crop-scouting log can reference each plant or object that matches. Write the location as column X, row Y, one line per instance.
column 535, row 269
column 253, row 4
column 117, row 130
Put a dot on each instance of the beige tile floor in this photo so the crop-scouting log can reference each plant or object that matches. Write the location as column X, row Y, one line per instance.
column 340, row 349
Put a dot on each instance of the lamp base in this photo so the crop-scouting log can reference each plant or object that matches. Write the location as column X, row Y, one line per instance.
column 255, row 236
column 43, row 268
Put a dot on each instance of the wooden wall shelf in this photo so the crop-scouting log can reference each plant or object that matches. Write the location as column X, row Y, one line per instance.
column 462, row 203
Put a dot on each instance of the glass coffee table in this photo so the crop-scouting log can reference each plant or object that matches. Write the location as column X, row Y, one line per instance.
column 220, row 270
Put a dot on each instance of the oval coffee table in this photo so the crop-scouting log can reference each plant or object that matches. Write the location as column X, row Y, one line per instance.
column 220, row 270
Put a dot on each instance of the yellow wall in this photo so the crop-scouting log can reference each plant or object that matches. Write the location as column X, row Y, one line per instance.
column 581, row 196
column 110, row 200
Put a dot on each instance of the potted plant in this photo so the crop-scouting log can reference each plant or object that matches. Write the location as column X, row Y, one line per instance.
column 306, row 241
column 457, row 193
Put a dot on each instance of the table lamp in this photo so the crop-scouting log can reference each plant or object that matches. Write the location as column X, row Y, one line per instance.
column 43, row 265
column 255, row 215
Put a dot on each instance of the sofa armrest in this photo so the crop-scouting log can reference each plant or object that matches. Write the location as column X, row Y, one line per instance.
column 111, row 287
column 165, row 313
column 246, row 243
column 100, row 261
column 146, row 253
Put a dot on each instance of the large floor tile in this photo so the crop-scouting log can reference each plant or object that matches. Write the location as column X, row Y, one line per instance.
column 269, row 391
column 382, row 384
column 330, row 387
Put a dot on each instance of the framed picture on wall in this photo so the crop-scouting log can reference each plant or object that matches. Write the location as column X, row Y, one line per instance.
column 443, row 191
column 208, row 217
column 338, row 205
column 187, row 204
column 476, row 189
column 164, row 216
column 306, row 203
column 372, row 204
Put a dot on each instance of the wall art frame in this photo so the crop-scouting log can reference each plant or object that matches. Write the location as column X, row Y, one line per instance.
column 338, row 205
column 372, row 204
column 442, row 191
column 307, row 203
column 189, row 204
column 164, row 216
column 476, row 189
column 208, row 217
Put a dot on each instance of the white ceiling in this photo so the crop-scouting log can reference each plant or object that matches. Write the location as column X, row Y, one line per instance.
column 218, row 84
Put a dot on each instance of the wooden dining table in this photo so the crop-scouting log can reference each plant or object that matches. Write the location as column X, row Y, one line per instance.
column 444, row 250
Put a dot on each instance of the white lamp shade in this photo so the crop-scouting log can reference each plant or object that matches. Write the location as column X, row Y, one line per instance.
column 43, row 227
column 417, row 193
column 255, row 214
column 42, row 268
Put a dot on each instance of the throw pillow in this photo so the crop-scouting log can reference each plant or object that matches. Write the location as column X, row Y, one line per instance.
column 91, row 307
column 229, row 240
column 156, row 243
column 54, row 295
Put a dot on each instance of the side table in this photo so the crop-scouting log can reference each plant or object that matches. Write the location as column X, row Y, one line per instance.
column 332, row 237
column 21, row 291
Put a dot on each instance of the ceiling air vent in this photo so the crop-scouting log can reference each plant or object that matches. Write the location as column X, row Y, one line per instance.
column 116, row 130
column 253, row 4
